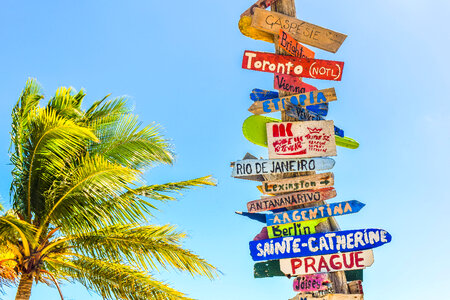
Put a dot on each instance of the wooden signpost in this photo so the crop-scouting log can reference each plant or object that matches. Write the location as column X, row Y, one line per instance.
column 310, row 182
column 254, row 130
column 329, row 297
column 289, row 200
column 344, row 261
column 305, row 99
column 246, row 29
column 250, row 167
column 301, row 139
column 294, row 48
column 355, row 287
column 260, row 4
column 311, row 213
column 311, row 283
column 299, row 228
column 289, row 65
column 291, row 84
column 318, row 244
column 302, row 31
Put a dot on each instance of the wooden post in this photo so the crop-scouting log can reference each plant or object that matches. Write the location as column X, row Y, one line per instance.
column 338, row 279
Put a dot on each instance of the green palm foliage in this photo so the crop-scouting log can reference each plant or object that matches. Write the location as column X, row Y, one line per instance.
column 80, row 206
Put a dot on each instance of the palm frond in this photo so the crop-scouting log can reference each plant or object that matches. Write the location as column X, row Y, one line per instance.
column 67, row 103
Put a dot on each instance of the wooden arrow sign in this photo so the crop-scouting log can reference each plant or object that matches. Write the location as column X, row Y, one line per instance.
column 303, row 114
column 311, row 283
column 291, row 84
column 327, row 263
column 249, row 167
column 246, row 29
column 289, row 200
column 317, row 212
column 291, row 46
column 302, row 31
column 305, row 99
column 318, row 244
column 355, row 287
column 263, row 4
column 289, row 65
column 301, row 139
column 294, row 184
column 291, row 229
column 329, row 297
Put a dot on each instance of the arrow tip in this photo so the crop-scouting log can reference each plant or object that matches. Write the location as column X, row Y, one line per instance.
column 238, row 212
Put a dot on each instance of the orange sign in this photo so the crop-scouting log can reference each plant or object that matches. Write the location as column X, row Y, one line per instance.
column 294, row 48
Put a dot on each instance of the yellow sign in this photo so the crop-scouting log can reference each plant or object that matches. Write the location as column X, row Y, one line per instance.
column 291, row 229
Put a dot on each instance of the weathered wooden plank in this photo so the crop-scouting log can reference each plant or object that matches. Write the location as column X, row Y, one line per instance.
column 301, row 139
column 302, row 31
column 290, row 65
column 314, row 182
column 261, row 95
column 318, row 244
column 255, row 131
column 299, row 228
column 305, row 99
column 310, row 283
column 329, row 297
column 311, row 213
column 292, row 84
column 345, row 261
column 303, row 114
column 251, row 167
column 289, row 200
column 253, row 33
column 263, row 4
column 294, row 48
column 355, row 287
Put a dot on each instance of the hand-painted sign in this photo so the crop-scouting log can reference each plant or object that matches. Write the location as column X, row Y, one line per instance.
column 303, row 114
column 289, row 65
column 328, row 297
column 311, row 283
column 246, row 29
column 289, row 200
column 260, row 4
column 302, row 31
column 299, row 228
column 250, row 167
column 291, row 46
column 318, row 244
column 327, row 263
column 305, row 99
column 254, row 130
column 355, row 287
column 311, row 213
column 301, row 139
column 291, row 84
column 308, row 182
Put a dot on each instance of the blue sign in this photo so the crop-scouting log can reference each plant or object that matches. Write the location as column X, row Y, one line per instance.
column 318, row 244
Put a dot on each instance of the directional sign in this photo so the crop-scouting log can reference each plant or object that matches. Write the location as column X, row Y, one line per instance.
column 291, row 46
column 246, row 29
column 311, row 283
column 311, row 213
column 254, row 130
column 328, row 297
column 301, row 139
column 289, row 200
column 300, row 183
column 305, row 99
column 302, row 31
column 289, row 65
column 318, row 244
column 355, row 287
column 292, row 84
column 250, row 167
column 327, row 263
column 303, row 114
column 260, row 4
column 299, row 228
column 262, row 95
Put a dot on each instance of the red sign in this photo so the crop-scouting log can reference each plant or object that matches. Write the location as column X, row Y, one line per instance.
column 289, row 65
column 294, row 48
column 291, row 84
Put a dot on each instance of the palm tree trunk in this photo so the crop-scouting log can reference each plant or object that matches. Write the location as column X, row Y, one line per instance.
column 24, row 289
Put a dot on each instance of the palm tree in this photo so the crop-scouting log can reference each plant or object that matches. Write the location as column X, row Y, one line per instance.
column 79, row 204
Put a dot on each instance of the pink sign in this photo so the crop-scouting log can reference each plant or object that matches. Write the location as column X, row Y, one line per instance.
column 310, row 283
column 292, row 84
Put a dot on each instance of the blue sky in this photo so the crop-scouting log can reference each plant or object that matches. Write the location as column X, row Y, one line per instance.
column 180, row 62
